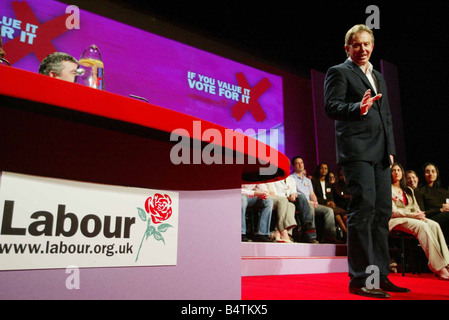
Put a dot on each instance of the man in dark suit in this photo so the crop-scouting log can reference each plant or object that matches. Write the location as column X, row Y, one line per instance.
column 356, row 97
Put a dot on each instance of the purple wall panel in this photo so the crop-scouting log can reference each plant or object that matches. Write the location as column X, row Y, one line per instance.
column 390, row 73
column 324, row 126
column 299, row 120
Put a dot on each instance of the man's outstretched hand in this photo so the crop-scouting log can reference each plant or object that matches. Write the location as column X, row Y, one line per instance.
column 367, row 101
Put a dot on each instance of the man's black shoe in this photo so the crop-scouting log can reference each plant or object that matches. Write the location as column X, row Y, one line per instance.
column 370, row 293
column 387, row 285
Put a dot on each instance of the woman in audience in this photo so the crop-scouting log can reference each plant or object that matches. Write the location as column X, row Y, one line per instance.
column 324, row 192
column 411, row 178
column 340, row 191
column 408, row 217
column 433, row 198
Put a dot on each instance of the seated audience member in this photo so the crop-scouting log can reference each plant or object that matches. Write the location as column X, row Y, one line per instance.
column 59, row 65
column 257, row 196
column 304, row 186
column 2, row 52
column 411, row 178
column 408, row 217
column 331, row 178
column 340, row 191
column 323, row 190
column 3, row 61
column 432, row 198
column 285, row 213
column 306, row 175
column 287, row 188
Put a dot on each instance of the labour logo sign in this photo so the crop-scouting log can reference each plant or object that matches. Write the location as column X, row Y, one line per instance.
column 53, row 223
column 159, row 207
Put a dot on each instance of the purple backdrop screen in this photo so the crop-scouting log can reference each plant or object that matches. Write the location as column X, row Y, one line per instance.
column 167, row 73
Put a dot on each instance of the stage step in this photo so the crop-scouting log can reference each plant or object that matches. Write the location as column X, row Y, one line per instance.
column 260, row 258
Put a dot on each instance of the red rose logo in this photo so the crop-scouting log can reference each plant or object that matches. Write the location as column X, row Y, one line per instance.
column 160, row 207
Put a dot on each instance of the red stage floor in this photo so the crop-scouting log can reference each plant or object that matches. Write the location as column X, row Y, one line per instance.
column 334, row 286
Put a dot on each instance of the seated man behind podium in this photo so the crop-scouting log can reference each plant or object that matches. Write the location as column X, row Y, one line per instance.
column 2, row 52
column 59, row 65
column 257, row 196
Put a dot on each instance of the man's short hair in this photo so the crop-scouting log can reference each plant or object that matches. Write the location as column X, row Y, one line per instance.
column 296, row 157
column 53, row 62
column 356, row 29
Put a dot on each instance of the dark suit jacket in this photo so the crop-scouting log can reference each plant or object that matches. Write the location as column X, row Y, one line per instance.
column 358, row 138
column 319, row 191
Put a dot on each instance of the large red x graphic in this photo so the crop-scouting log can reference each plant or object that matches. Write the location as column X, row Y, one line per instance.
column 45, row 32
column 240, row 108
